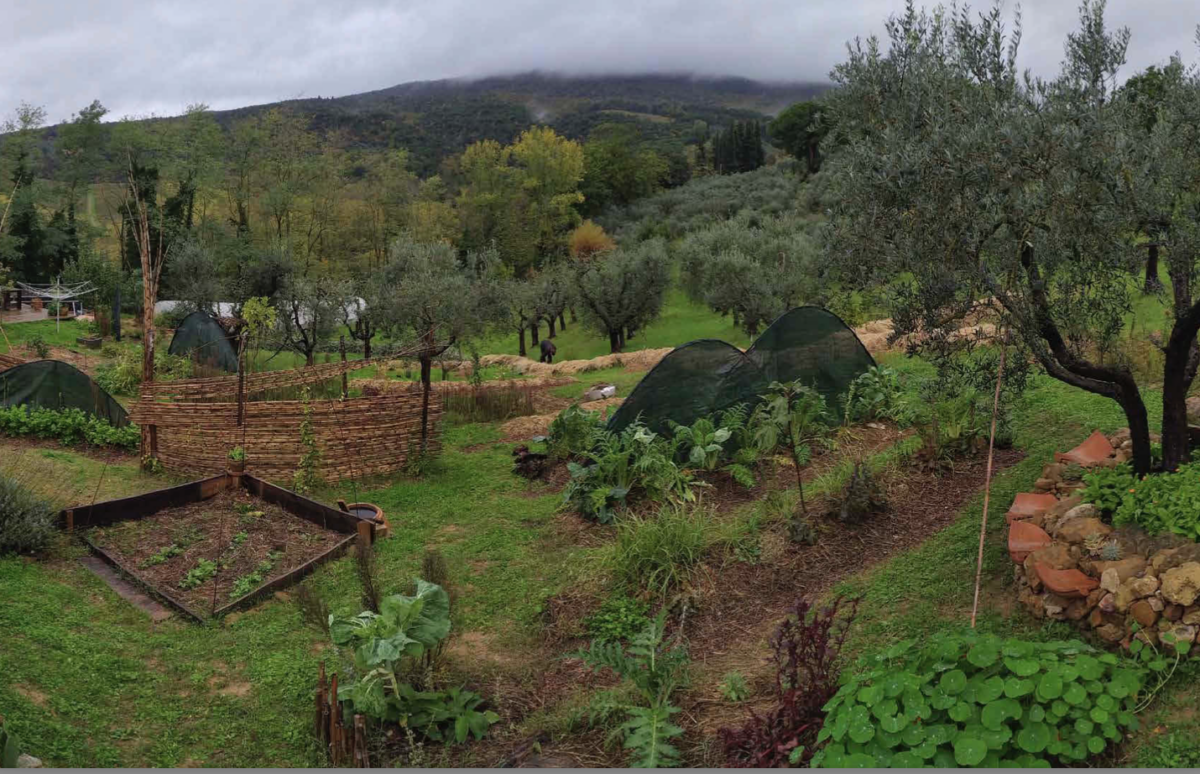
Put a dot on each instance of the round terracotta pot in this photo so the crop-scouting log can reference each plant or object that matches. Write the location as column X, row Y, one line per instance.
column 237, row 467
column 373, row 512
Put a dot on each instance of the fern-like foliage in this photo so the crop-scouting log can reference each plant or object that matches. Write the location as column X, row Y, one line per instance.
column 656, row 669
column 648, row 733
column 742, row 474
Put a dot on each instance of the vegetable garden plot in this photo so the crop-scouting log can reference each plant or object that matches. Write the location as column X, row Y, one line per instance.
column 212, row 546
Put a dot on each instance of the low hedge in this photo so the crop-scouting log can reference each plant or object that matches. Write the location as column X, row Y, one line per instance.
column 26, row 522
column 69, row 426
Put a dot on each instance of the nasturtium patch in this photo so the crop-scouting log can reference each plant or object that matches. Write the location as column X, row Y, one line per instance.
column 983, row 655
column 941, row 700
column 893, row 724
column 1022, row 667
column 869, row 694
column 1033, row 737
column 1016, row 687
column 885, row 709
column 1089, row 668
column 953, row 682
column 996, row 738
column 914, row 734
column 969, row 750
column 1050, row 686
column 975, row 700
column 989, row 690
column 893, row 686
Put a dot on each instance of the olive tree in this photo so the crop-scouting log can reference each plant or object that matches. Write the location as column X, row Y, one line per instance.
column 521, row 309
column 751, row 267
column 554, row 289
column 622, row 290
column 309, row 309
column 960, row 182
column 436, row 300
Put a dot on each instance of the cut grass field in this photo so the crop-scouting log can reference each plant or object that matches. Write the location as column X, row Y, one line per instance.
column 90, row 681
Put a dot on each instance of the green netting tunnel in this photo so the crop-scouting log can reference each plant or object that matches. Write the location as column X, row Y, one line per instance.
column 53, row 384
column 201, row 338
column 703, row 377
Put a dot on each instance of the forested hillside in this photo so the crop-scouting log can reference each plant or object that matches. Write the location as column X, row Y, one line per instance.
column 433, row 120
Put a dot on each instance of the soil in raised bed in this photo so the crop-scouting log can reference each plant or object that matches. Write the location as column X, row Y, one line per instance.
column 161, row 549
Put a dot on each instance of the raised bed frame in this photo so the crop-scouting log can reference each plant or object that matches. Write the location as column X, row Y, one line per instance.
column 140, row 506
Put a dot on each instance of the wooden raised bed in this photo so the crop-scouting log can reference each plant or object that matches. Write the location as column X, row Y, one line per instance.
column 347, row 527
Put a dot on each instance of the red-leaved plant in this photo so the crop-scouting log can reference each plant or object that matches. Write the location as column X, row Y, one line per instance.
column 806, row 651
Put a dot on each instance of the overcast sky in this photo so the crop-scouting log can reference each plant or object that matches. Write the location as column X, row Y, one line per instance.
column 157, row 56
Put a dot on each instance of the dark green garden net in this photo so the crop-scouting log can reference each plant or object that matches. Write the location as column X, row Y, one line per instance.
column 201, row 339
column 703, row 377
column 53, row 384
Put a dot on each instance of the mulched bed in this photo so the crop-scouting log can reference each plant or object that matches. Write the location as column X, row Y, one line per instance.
column 109, row 454
column 744, row 603
column 161, row 549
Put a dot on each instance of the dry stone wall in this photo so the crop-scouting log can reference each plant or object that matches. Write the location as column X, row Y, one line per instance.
column 1072, row 566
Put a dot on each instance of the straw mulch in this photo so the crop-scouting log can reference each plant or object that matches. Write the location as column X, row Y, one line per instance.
column 523, row 428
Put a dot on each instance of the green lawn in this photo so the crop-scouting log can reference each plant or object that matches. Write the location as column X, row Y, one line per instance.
column 682, row 320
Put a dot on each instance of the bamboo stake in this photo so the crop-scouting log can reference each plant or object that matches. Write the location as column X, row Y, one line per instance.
column 987, row 483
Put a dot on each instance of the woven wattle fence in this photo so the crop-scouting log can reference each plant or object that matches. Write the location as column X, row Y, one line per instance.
column 226, row 387
column 356, row 436
column 10, row 361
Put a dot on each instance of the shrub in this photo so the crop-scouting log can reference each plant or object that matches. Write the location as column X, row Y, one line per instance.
column 806, row 651
column 70, row 426
column 39, row 347
column 123, row 375
column 1106, row 488
column 1166, row 502
column 388, row 649
column 619, row 618
column 314, row 610
column 876, row 394
column 658, row 553
column 734, row 688
column 977, row 700
column 861, row 498
column 573, row 432
column 635, row 461
column 26, row 522
column 10, row 747
column 656, row 670
column 700, row 446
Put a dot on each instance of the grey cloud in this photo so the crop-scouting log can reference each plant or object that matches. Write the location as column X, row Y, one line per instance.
column 142, row 57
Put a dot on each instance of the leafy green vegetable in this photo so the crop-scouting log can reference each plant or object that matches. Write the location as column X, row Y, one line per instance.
column 977, row 700
column 387, row 647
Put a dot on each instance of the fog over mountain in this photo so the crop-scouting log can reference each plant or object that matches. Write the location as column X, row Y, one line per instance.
column 141, row 57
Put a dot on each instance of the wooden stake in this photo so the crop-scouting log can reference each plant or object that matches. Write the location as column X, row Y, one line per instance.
column 987, row 483
column 321, row 701
column 345, row 383
column 241, row 387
